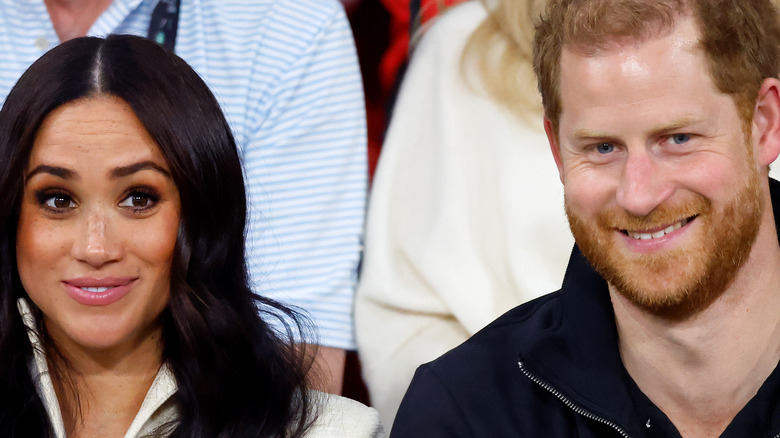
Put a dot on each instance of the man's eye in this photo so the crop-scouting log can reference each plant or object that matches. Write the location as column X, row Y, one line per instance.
column 605, row 148
column 680, row 138
column 59, row 202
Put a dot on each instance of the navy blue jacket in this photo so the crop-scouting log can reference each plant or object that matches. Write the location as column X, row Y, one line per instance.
column 551, row 368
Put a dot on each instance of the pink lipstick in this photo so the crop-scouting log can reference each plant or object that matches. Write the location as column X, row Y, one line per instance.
column 90, row 291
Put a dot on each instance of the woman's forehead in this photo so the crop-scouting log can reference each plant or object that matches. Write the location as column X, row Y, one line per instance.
column 94, row 133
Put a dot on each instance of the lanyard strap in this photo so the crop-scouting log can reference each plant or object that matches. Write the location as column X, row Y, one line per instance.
column 164, row 23
column 414, row 17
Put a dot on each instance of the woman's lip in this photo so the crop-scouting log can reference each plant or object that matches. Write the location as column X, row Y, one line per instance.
column 115, row 290
column 99, row 282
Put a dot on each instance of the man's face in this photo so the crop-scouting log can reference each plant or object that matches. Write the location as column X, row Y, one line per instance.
column 662, row 191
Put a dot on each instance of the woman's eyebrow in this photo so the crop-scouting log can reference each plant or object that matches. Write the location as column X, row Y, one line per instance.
column 60, row 172
column 119, row 172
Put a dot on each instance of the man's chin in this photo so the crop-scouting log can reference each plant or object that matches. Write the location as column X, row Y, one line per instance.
column 664, row 300
column 668, row 288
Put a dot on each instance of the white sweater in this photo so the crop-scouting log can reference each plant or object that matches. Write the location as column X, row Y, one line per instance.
column 465, row 221
column 337, row 417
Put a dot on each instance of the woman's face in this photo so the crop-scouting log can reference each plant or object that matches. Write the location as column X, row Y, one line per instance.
column 97, row 227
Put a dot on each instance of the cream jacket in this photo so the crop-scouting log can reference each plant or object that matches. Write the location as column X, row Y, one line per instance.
column 465, row 220
column 338, row 417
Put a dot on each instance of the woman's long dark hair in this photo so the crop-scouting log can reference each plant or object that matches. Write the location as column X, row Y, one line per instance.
column 236, row 375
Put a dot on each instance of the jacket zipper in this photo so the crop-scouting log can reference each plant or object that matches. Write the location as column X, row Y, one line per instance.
column 571, row 405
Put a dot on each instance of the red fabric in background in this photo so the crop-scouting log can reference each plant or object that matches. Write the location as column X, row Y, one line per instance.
column 397, row 52
column 381, row 29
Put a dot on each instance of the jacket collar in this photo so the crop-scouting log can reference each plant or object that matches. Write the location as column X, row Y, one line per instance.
column 154, row 410
column 577, row 350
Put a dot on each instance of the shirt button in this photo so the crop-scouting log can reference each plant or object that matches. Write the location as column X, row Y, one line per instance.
column 41, row 43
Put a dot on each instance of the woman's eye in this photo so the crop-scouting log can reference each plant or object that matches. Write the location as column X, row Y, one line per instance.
column 137, row 201
column 59, row 202
column 605, row 148
column 680, row 138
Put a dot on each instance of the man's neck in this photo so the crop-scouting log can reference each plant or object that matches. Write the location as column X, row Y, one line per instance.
column 703, row 370
column 74, row 18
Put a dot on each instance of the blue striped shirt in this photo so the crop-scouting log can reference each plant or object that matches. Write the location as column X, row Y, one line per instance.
column 287, row 77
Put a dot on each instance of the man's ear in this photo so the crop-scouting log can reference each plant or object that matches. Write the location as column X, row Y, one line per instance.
column 552, row 138
column 766, row 123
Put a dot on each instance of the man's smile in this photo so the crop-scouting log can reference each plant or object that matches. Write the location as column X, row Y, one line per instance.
column 659, row 232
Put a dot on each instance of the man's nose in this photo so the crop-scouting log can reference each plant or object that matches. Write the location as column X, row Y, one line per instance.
column 645, row 183
column 95, row 243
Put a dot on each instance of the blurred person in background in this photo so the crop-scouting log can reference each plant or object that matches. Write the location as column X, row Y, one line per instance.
column 465, row 218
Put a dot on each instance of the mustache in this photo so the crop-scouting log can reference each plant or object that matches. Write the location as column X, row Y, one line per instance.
column 664, row 215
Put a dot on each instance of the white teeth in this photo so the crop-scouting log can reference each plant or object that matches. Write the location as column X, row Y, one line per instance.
column 96, row 289
column 657, row 234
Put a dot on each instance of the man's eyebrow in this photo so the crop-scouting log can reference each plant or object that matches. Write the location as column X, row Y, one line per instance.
column 674, row 125
column 586, row 134
column 59, row 172
column 119, row 172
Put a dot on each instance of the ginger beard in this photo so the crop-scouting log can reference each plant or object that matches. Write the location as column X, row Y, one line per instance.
column 677, row 283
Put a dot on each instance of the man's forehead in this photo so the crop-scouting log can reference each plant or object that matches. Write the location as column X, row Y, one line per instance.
column 630, row 63
column 671, row 70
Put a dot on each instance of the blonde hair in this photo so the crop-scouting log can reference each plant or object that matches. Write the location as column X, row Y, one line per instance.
column 497, row 57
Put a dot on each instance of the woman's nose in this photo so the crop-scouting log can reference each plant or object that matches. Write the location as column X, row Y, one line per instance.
column 95, row 243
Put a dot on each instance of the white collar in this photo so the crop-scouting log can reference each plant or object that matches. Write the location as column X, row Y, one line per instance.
column 151, row 414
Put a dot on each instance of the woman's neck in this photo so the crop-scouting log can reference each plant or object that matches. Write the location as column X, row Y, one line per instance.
column 102, row 405
column 100, row 392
